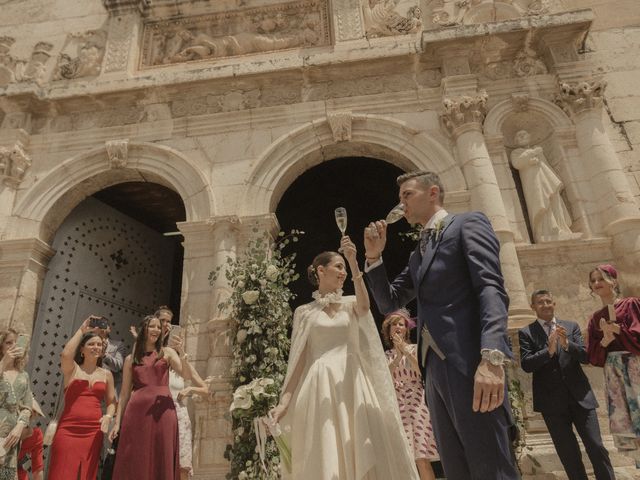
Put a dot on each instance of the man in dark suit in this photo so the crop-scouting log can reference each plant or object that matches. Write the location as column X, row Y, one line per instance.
column 462, row 318
column 553, row 350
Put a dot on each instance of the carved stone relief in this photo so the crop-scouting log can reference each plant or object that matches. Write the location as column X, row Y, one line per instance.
column 525, row 63
column 348, row 19
column 457, row 12
column 15, row 70
column 81, row 55
column 381, row 18
column 14, row 163
column 520, row 102
column 303, row 23
column 118, row 153
column 340, row 124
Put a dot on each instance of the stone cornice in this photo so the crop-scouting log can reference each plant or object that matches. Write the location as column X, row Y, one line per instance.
column 571, row 252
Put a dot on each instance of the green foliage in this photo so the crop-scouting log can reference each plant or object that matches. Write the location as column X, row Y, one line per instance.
column 259, row 304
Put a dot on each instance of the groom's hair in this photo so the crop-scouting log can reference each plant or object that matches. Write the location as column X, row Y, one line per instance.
column 428, row 179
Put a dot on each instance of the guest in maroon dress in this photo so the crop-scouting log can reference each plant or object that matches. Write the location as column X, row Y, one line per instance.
column 148, row 445
column 76, row 447
column 31, row 446
column 614, row 343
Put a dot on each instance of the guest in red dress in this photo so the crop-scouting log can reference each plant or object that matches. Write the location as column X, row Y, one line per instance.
column 614, row 343
column 76, row 447
column 32, row 446
column 148, row 444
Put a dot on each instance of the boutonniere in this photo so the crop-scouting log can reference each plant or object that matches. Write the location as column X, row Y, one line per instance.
column 438, row 228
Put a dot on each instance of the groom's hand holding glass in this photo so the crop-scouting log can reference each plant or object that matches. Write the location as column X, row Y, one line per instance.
column 375, row 239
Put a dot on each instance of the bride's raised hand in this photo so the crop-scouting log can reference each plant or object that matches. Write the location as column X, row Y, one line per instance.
column 277, row 412
column 348, row 249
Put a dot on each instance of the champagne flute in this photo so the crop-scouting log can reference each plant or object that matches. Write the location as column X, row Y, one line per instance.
column 395, row 214
column 341, row 219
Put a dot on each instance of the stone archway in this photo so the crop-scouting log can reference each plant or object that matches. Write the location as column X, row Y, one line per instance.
column 372, row 136
column 45, row 205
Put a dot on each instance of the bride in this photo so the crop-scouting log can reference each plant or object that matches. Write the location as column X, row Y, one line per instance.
column 338, row 403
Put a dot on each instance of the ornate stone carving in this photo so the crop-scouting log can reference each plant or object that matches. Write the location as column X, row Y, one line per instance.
column 381, row 19
column 348, row 19
column 549, row 217
column 340, row 124
column 520, row 102
column 121, row 32
column 538, row 7
column 118, row 153
column 464, row 110
column 117, row 7
column 451, row 12
column 303, row 23
column 582, row 96
column 87, row 50
column 527, row 63
column 14, row 163
column 14, row 70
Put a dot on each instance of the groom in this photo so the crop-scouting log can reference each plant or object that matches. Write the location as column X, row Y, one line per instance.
column 462, row 319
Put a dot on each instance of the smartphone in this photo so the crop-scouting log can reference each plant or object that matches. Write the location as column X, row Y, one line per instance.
column 175, row 332
column 22, row 341
column 99, row 322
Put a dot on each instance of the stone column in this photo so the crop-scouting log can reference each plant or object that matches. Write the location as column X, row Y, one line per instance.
column 23, row 264
column 612, row 202
column 462, row 118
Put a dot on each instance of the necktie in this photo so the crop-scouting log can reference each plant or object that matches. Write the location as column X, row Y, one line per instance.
column 425, row 237
column 548, row 326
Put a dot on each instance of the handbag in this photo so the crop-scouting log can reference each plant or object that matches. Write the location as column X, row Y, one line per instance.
column 50, row 432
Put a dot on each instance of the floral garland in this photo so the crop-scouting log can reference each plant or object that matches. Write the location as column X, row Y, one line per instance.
column 259, row 304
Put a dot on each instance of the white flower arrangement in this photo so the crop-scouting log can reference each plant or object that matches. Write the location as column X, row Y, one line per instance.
column 259, row 305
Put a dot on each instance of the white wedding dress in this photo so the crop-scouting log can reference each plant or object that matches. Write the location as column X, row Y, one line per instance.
column 343, row 415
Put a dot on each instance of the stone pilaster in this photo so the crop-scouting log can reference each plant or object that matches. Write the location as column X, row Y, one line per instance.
column 23, row 264
column 462, row 118
column 612, row 201
column 348, row 21
column 124, row 29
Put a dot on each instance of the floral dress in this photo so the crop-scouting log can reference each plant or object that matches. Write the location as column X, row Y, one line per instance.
column 15, row 404
column 413, row 411
column 176, row 385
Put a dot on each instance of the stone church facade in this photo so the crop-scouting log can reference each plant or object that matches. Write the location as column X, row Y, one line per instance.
column 528, row 110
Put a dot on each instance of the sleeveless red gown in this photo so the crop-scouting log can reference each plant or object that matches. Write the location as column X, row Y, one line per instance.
column 148, row 445
column 75, row 451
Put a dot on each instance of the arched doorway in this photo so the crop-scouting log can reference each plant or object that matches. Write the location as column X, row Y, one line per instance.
column 112, row 259
column 366, row 187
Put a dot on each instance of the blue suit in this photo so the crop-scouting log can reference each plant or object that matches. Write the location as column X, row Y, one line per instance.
column 462, row 301
column 562, row 393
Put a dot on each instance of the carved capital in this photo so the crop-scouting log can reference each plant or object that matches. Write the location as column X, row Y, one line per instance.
column 340, row 124
column 464, row 112
column 14, row 163
column 118, row 153
column 576, row 98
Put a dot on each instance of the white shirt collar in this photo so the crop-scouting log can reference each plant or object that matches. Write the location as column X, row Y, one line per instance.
column 438, row 216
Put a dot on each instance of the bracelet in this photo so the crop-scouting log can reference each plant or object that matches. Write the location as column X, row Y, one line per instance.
column 357, row 277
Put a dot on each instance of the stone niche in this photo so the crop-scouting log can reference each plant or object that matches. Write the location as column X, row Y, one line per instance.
column 296, row 24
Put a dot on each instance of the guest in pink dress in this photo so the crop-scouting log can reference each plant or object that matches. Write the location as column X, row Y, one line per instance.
column 407, row 379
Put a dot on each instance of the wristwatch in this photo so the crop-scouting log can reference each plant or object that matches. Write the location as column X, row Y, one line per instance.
column 494, row 357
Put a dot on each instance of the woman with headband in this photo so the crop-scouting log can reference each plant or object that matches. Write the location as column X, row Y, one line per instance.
column 614, row 343
column 403, row 363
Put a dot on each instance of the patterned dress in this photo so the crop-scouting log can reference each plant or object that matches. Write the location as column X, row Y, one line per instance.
column 176, row 385
column 15, row 403
column 413, row 410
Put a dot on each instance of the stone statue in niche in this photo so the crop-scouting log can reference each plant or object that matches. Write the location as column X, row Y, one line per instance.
column 301, row 24
column 549, row 217
column 381, row 19
column 87, row 62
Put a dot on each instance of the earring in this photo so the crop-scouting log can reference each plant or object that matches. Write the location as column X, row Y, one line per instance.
column 82, row 355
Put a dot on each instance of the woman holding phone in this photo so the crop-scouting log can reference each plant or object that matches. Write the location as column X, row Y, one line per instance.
column 15, row 401
column 76, row 447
